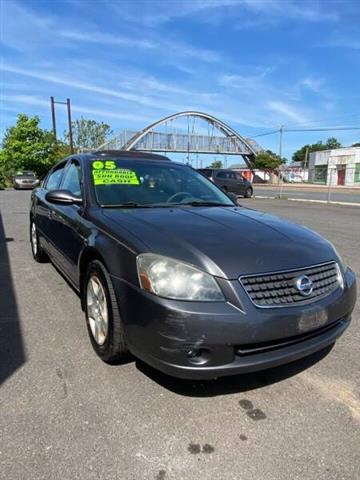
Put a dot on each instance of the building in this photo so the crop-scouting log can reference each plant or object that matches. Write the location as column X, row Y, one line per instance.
column 255, row 176
column 335, row 167
column 295, row 172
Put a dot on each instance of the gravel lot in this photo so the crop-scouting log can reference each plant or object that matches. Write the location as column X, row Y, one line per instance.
column 66, row 415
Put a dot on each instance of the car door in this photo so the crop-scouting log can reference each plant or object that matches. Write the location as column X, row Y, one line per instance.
column 222, row 180
column 44, row 209
column 69, row 222
column 240, row 184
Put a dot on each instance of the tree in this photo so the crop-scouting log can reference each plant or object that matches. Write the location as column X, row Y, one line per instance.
column 332, row 143
column 26, row 146
column 216, row 164
column 357, row 144
column 89, row 134
column 302, row 154
column 268, row 161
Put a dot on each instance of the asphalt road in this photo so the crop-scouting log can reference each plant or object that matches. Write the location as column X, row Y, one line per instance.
column 352, row 196
column 66, row 415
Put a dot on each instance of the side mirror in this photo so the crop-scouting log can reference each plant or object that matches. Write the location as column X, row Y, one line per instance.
column 63, row 197
column 232, row 197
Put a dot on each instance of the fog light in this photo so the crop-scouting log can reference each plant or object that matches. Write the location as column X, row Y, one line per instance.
column 198, row 356
column 194, row 353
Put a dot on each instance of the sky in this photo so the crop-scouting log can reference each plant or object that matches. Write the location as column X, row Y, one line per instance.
column 255, row 64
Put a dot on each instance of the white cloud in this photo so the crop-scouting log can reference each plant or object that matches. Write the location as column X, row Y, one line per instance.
column 79, row 84
column 106, row 39
column 160, row 12
column 40, row 102
column 344, row 42
column 312, row 83
column 287, row 110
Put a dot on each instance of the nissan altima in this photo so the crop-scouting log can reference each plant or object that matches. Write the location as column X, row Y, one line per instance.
column 169, row 268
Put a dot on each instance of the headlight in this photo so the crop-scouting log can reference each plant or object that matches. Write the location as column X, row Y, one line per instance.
column 170, row 278
column 339, row 276
column 340, row 261
column 341, row 268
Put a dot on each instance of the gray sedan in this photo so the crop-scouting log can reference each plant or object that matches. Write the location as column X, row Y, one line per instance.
column 25, row 180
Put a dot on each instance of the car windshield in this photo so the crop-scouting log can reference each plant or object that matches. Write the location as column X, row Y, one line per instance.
column 25, row 174
column 141, row 183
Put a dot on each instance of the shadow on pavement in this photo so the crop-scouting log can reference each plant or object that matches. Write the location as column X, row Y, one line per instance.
column 232, row 384
column 12, row 354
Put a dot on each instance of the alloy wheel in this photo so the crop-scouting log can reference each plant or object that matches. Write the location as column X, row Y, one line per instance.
column 97, row 310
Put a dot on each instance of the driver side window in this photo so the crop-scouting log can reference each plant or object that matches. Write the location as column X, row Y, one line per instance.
column 54, row 179
column 71, row 180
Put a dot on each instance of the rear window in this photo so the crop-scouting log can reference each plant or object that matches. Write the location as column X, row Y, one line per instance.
column 206, row 171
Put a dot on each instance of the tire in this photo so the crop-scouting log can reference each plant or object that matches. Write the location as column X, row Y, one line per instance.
column 109, row 343
column 248, row 192
column 37, row 252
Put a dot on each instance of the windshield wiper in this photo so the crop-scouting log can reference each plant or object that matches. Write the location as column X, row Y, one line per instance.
column 197, row 203
column 126, row 205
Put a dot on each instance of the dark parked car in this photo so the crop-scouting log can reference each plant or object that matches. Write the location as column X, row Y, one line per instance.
column 170, row 269
column 229, row 181
column 25, row 180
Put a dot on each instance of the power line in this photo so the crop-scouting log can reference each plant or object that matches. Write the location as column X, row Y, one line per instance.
column 337, row 117
column 325, row 129
column 318, row 129
column 267, row 133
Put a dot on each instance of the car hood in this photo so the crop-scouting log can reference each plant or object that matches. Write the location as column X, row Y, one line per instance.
column 224, row 241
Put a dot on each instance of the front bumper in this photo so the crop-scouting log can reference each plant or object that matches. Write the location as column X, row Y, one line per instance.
column 25, row 186
column 199, row 340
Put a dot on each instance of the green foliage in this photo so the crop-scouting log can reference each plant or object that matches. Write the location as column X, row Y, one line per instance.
column 216, row 164
column 299, row 155
column 268, row 161
column 28, row 147
column 89, row 134
column 357, row 144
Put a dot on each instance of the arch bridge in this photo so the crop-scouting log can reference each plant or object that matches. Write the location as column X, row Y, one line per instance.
column 200, row 133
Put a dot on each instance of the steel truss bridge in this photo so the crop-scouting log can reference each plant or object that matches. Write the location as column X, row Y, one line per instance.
column 165, row 136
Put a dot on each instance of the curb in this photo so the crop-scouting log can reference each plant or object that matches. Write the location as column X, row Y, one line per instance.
column 350, row 204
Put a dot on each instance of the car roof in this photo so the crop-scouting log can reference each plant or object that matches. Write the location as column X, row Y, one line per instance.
column 135, row 154
column 218, row 169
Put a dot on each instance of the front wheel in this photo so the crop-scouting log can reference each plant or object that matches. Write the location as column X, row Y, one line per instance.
column 102, row 315
column 248, row 192
column 38, row 253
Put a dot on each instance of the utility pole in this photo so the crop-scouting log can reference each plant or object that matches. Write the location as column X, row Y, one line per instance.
column 67, row 103
column 281, row 131
column 70, row 125
column 52, row 103
column 306, row 157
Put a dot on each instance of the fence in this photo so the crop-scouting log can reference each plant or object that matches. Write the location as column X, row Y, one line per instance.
column 325, row 180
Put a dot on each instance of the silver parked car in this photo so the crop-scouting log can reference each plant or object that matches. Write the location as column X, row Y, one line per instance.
column 25, row 180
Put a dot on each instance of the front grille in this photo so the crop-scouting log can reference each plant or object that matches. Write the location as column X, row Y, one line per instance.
column 278, row 289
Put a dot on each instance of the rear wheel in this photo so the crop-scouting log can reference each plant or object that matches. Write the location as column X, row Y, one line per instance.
column 38, row 253
column 248, row 192
column 102, row 315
